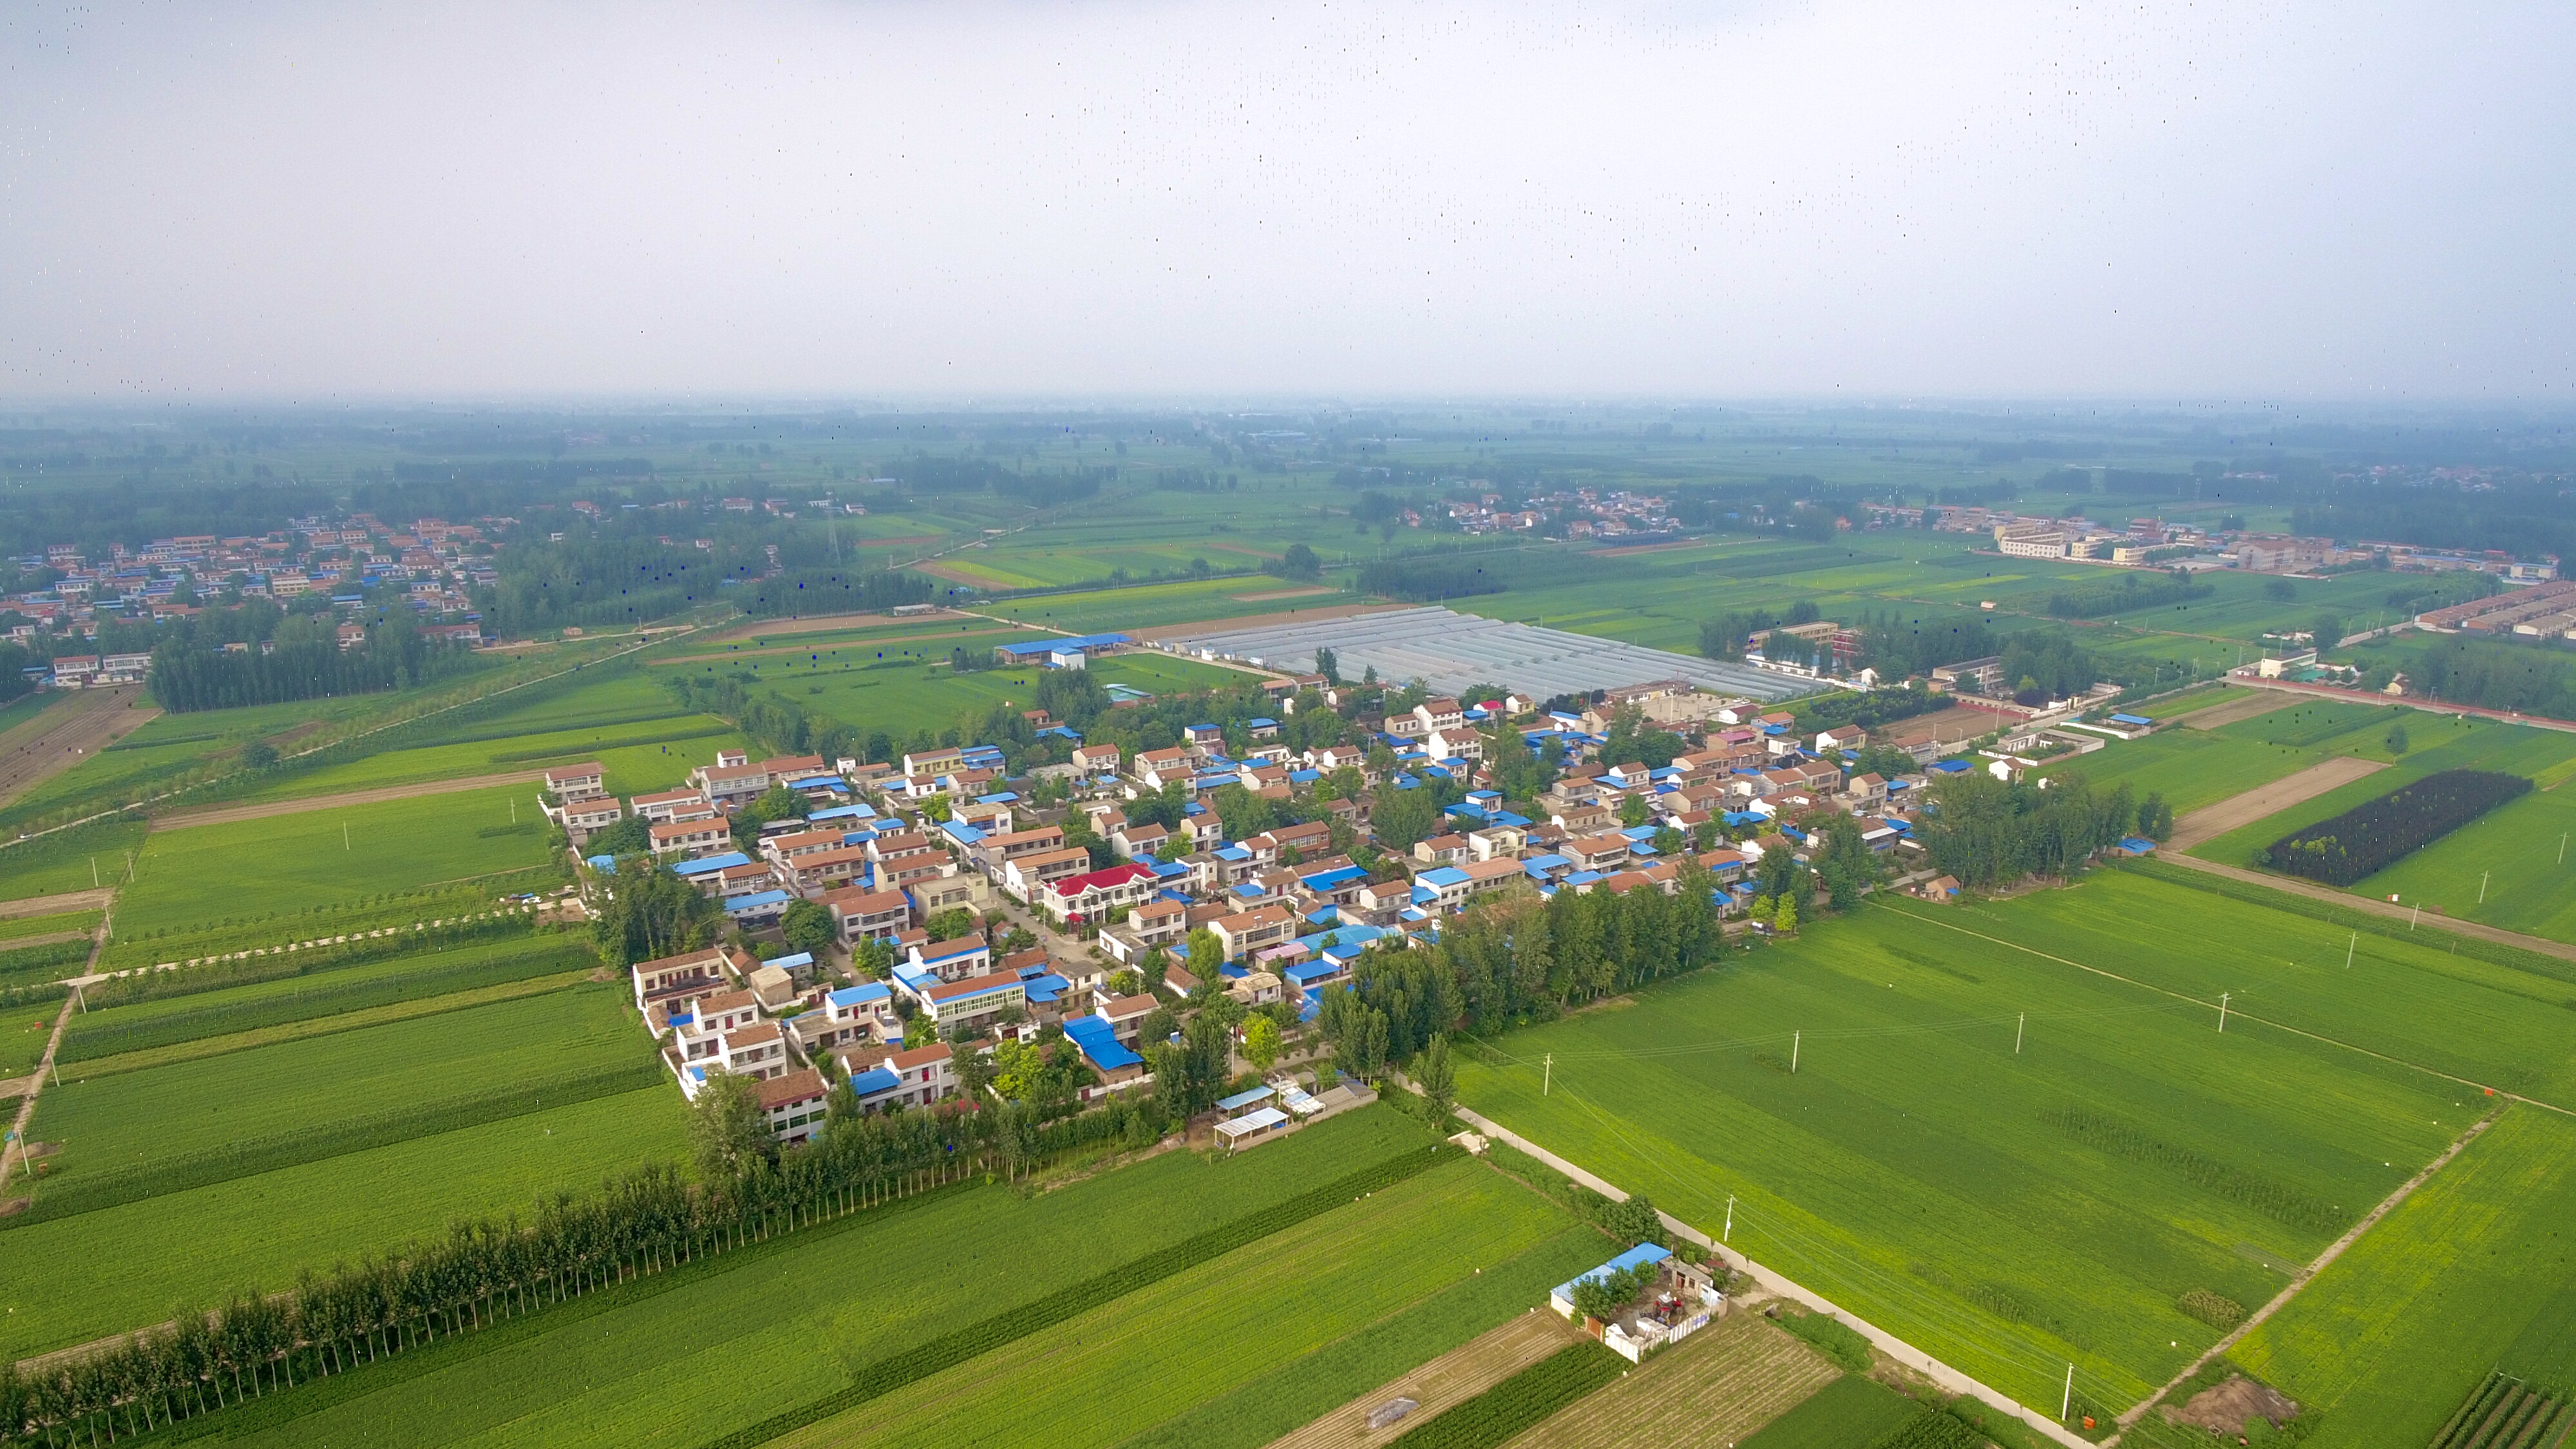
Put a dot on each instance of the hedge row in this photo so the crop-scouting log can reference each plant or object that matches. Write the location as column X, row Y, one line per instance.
column 1516, row 1403
column 276, row 963
column 948, row 1350
column 78, row 1192
column 2376, row 834
column 28, row 964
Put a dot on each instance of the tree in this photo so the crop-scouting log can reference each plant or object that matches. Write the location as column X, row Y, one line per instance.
column 1438, row 1081
column 1329, row 665
column 728, row 1129
column 2396, row 740
column 1207, row 957
column 2327, row 631
column 2155, row 817
column 1402, row 818
column 1785, row 920
column 1261, row 1042
column 808, row 927
column 258, row 755
column 1301, row 562
column 1635, row 811
column 950, row 924
column 647, row 913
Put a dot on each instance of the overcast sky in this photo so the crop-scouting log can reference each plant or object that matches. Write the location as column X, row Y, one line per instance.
column 2222, row 200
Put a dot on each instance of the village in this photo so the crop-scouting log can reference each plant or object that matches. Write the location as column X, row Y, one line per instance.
column 964, row 914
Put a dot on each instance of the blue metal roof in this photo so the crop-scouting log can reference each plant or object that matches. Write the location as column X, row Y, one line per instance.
column 2131, row 719
column 861, row 994
column 758, row 902
column 790, row 963
column 704, row 864
column 1098, row 1041
column 874, row 1080
column 1636, row 1257
column 1243, row 1099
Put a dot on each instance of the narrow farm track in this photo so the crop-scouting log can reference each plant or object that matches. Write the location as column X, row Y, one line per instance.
column 2304, row 1277
column 2211, row 821
column 1460, row 1374
column 63, row 735
column 2234, row 1013
column 29, row 1087
column 226, row 814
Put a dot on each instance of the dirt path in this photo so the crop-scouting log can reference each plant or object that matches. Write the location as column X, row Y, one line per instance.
column 2210, row 822
column 2230, row 712
column 2305, row 1275
column 29, row 1087
column 755, row 628
column 226, row 814
column 1461, row 1373
column 2372, row 906
column 56, row 905
column 64, row 734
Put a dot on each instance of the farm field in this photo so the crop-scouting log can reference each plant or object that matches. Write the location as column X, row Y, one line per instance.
column 900, row 701
column 2195, row 767
column 204, row 874
column 2011, row 1211
column 1111, row 1373
column 1150, row 606
column 18, row 928
column 1710, row 1391
column 778, row 1328
column 260, row 1231
column 643, row 756
column 2510, row 855
column 173, row 743
column 2435, row 744
column 1852, row 1412
column 2476, row 1271
column 68, row 860
column 134, row 1118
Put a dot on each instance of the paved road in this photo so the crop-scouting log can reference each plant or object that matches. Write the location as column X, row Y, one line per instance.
column 64, row 734
column 226, row 814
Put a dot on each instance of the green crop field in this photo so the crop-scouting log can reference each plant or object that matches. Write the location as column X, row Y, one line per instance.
column 639, row 756
column 901, row 700
column 68, row 860
column 14, row 928
column 260, row 1231
column 175, row 742
column 2514, row 856
column 202, row 874
column 1852, row 1412
column 134, row 1117
column 2434, row 744
column 2011, row 1211
column 2193, row 768
column 2475, row 1271
column 233, row 1009
column 1158, row 606
column 786, row 1327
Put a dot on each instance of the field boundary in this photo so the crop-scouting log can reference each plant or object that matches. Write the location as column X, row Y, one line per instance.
column 2236, row 1012
column 2303, row 1277
column 2371, row 905
column 2428, row 706
column 2263, row 801
column 1773, row 1281
column 1438, row 1384
column 262, row 810
column 35, row 1083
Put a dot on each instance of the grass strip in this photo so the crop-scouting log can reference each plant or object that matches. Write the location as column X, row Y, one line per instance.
column 2494, row 953
column 74, row 1192
column 14, row 927
column 104, row 1034
column 200, row 1048
column 1518, row 1402
column 951, row 1349
column 624, row 742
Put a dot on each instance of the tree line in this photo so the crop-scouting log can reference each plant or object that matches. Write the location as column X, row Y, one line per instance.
column 307, row 662
column 1988, row 833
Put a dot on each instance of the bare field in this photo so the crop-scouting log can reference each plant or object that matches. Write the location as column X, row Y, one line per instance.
column 65, row 734
column 2270, row 799
column 1462, row 1373
column 1712, row 1389
column 2228, row 712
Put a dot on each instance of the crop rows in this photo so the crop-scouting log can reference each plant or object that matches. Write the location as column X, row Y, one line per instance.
column 35, row 965
column 2506, row 1413
column 108, row 1033
column 2106, row 1133
column 2376, row 834
column 950, row 1349
column 665, row 737
column 81, row 1192
column 1518, row 1402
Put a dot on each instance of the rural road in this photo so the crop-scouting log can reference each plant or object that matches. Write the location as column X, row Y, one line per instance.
column 2304, row 1276
column 65, row 733
column 56, row 905
column 226, row 814
column 2210, row 822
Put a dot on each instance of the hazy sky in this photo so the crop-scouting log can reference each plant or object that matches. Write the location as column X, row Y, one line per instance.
column 2222, row 200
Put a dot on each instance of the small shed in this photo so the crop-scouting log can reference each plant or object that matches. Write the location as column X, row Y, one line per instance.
column 1244, row 1101
column 1251, row 1127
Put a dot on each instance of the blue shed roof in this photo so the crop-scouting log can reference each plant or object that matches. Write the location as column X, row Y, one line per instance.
column 1636, row 1257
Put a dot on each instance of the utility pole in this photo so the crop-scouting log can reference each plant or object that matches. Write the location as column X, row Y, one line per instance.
column 2419, row 916
column 1547, row 1077
column 93, row 871
column 2482, row 886
column 1729, row 1230
column 2066, row 1405
column 2018, row 1028
column 344, row 835
column 2222, row 1010
column 1793, row 1051
column 2562, row 849
column 2349, row 947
